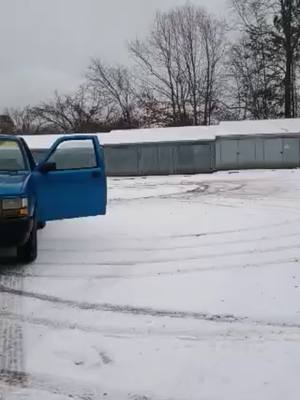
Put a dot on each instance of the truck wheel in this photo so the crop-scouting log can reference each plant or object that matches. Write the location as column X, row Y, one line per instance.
column 41, row 225
column 28, row 252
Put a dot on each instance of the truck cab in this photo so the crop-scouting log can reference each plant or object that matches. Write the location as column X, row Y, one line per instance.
column 70, row 182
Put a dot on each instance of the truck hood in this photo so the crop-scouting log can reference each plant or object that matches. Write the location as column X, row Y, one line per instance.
column 13, row 184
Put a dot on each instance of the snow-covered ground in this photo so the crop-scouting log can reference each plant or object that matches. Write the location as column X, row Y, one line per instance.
column 189, row 289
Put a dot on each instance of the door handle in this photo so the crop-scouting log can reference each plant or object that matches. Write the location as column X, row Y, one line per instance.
column 96, row 174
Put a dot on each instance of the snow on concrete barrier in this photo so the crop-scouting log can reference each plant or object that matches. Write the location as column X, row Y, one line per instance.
column 180, row 150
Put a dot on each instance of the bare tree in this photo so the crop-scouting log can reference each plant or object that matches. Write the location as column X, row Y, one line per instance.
column 257, row 80
column 84, row 111
column 116, row 85
column 161, row 68
column 7, row 125
column 179, row 63
column 212, row 32
column 26, row 121
column 287, row 39
column 277, row 23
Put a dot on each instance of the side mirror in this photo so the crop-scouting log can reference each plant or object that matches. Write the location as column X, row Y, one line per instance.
column 46, row 167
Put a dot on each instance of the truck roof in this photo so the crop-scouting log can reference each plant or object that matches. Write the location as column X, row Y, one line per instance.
column 11, row 137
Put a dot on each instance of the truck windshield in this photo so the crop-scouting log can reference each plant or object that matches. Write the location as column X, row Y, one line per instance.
column 11, row 156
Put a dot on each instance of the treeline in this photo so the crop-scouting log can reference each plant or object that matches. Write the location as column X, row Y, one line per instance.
column 191, row 69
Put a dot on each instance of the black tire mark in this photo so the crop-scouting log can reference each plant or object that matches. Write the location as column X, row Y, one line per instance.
column 207, row 188
column 13, row 378
column 184, row 271
column 50, row 384
column 117, row 308
column 167, row 248
column 63, row 325
column 11, row 332
column 66, row 387
column 175, row 195
column 271, row 226
column 148, row 311
column 177, row 259
column 129, row 333
column 233, row 231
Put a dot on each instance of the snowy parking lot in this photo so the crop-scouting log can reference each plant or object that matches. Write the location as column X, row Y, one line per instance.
column 189, row 289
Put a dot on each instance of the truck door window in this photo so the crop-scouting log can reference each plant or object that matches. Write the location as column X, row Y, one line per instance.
column 11, row 156
column 74, row 154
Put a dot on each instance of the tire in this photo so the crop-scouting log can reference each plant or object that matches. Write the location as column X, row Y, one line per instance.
column 28, row 252
column 41, row 225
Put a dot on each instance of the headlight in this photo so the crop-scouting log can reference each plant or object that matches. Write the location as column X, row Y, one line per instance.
column 14, row 204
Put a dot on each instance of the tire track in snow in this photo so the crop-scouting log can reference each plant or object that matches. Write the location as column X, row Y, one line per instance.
column 118, row 308
column 67, row 387
column 270, row 226
column 130, row 333
column 203, row 188
column 51, row 384
column 177, row 259
column 233, row 231
column 11, row 332
column 147, row 311
column 167, row 248
column 182, row 271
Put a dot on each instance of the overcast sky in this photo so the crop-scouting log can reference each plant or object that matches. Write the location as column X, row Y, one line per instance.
column 46, row 44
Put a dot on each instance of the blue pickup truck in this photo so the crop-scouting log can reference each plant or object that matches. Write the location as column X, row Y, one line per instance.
column 69, row 183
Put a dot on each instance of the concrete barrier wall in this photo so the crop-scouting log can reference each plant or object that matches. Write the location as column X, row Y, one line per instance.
column 155, row 158
column 225, row 153
column 257, row 152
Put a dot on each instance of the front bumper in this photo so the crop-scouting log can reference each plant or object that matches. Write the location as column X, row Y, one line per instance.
column 15, row 231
